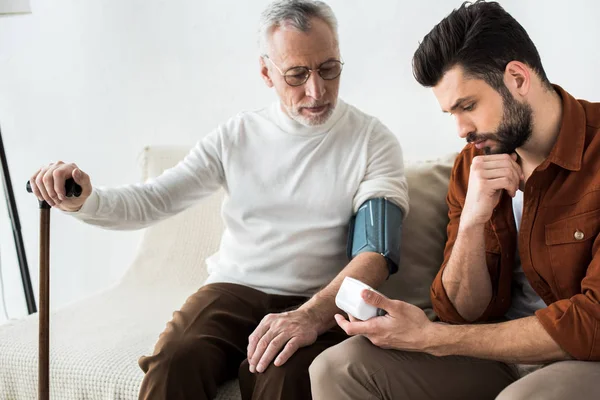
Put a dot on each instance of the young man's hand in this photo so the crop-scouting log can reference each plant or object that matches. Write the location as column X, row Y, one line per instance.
column 489, row 175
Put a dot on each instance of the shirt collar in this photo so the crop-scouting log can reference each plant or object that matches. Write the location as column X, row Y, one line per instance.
column 568, row 149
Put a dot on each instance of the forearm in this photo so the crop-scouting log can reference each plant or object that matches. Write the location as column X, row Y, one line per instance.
column 466, row 278
column 521, row 341
column 370, row 268
column 137, row 206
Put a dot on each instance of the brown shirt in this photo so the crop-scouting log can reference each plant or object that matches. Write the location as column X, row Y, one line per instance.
column 559, row 242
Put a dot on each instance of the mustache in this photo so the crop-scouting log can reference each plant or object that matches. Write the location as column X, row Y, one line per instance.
column 313, row 105
column 473, row 137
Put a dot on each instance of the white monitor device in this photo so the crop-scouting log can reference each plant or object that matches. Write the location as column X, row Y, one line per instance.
column 349, row 299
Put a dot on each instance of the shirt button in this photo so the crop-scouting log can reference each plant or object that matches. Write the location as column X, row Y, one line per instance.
column 578, row 235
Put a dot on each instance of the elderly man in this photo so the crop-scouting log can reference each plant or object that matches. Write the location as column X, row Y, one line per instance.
column 522, row 259
column 295, row 174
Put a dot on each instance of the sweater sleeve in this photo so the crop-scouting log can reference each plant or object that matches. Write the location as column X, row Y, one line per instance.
column 139, row 205
column 384, row 176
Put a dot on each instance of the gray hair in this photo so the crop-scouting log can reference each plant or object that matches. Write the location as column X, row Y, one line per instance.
column 295, row 13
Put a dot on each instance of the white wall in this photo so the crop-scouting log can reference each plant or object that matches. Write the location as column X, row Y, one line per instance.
column 94, row 81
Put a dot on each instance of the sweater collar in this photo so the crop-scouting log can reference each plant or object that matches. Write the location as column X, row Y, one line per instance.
column 293, row 127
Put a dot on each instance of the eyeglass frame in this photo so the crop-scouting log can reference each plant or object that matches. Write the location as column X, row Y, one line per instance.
column 310, row 70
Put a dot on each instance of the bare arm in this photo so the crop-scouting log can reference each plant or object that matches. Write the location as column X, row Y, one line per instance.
column 370, row 268
column 406, row 327
column 520, row 341
column 295, row 329
column 466, row 278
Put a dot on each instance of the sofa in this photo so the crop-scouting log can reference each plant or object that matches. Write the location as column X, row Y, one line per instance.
column 96, row 342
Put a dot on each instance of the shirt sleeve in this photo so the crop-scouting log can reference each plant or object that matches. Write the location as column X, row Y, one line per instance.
column 384, row 176
column 139, row 205
column 574, row 323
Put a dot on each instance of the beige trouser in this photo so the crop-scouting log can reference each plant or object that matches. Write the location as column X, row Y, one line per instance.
column 356, row 369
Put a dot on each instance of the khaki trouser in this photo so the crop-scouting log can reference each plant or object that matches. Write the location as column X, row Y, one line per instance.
column 356, row 369
column 205, row 345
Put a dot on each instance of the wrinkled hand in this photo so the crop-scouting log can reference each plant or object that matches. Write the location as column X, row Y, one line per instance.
column 404, row 327
column 48, row 184
column 489, row 175
column 293, row 329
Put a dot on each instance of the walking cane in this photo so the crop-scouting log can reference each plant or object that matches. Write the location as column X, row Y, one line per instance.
column 72, row 189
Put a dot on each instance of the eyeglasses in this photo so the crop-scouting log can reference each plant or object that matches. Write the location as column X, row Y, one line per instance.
column 297, row 76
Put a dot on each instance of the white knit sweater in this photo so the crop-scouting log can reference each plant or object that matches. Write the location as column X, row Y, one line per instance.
column 290, row 193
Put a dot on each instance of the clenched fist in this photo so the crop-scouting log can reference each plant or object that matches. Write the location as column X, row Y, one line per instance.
column 489, row 175
column 48, row 184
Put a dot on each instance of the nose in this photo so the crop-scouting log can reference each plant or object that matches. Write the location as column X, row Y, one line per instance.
column 464, row 125
column 315, row 86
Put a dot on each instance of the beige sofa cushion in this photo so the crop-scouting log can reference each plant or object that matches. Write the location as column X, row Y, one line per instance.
column 424, row 233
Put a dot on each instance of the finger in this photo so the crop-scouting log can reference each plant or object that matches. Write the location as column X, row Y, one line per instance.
column 352, row 319
column 342, row 322
column 504, row 183
column 81, row 178
column 495, row 164
column 498, row 173
column 272, row 350
column 353, row 328
column 290, row 348
column 516, row 167
column 34, row 186
column 42, row 187
column 256, row 336
column 49, row 182
column 261, row 347
column 493, row 157
column 376, row 299
column 61, row 174
column 506, row 172
column 498, row 162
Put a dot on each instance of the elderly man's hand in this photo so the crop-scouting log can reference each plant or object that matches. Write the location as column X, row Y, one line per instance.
column 293, row 329
column 404, row 327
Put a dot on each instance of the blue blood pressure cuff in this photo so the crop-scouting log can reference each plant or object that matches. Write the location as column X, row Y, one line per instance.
column 377, row 227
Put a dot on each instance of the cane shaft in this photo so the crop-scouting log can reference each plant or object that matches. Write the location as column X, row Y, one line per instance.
column 44, row 332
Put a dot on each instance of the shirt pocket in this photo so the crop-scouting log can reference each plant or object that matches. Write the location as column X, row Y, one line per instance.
column 569, row 242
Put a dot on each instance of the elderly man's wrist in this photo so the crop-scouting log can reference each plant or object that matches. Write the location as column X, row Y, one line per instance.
column 316, row 318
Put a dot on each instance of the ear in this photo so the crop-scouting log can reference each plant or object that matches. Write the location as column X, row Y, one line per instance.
column 265, row 73
column 517, row 78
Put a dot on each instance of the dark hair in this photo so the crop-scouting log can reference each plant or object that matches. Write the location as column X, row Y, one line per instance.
column 482, row 38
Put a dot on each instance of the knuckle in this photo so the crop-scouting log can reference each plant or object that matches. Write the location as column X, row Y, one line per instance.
column 262, row 345
column 47, row 178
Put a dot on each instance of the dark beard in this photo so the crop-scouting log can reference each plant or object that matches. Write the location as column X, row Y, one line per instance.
column 514, row 130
